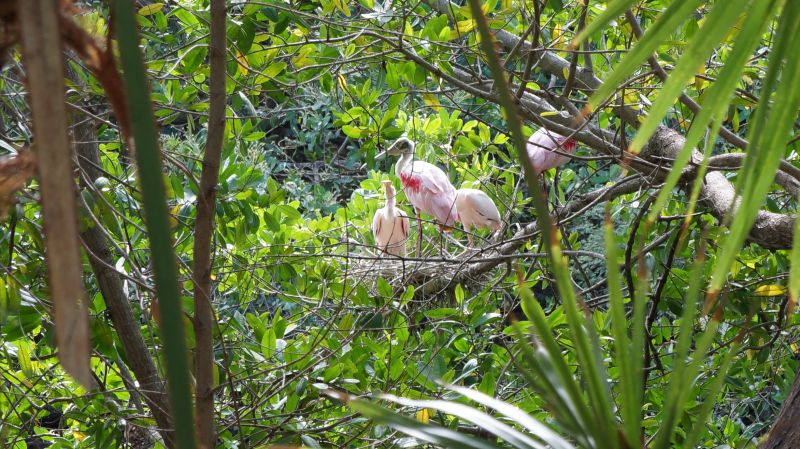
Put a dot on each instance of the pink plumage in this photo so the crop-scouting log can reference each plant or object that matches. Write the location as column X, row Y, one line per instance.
column 477, row 210
column 428, row 189
column 540, row 150
column 426, row 186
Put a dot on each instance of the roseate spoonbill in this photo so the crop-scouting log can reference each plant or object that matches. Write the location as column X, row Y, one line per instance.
column 390, row 225
column 426, row 186
column 476, row 210
column 540, row 150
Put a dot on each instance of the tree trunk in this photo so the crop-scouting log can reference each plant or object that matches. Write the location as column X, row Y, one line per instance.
column 785, row 433
column 102, row 262
column 44, row 69
column 204, row 231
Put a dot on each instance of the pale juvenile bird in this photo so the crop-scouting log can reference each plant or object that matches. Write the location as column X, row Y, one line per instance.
column 476, row 210
column 426, row 186
column 540, row 150
column 390, row 225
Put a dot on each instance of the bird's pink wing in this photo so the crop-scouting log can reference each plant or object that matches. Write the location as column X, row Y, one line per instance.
column 540, row 146
column 441, row 195
column 484, row 206
column 432, row 178
column 443, row 207
column 430, row 190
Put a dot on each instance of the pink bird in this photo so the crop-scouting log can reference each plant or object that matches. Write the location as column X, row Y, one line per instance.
column 540, row 150
column 476, row 210
column 426, row 186
column 390, row 225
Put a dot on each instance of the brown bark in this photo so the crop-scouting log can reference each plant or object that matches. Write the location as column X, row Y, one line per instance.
column 41, row 51
column 204, row 232
column 771, row 230
column 102, row 262
column 785, row 433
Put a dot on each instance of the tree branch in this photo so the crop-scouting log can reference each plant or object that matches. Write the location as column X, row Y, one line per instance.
column 771, row 230
column 44, row 65
column 724, row 132
column 102, row 260
column 204, row 231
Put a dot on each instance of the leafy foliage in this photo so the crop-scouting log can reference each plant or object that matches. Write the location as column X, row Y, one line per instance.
column 624, row 343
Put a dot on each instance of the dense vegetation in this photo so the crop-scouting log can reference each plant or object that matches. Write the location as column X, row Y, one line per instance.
column 642, row 318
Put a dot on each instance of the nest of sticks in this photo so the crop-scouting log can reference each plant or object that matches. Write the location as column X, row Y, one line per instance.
column 439, row 269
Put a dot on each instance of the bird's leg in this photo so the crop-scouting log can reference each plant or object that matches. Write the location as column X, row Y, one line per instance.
column 469, row 236
column 545, row 189
column 419, row 233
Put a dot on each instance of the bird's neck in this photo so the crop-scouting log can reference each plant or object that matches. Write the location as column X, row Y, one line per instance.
column 402, row 163
column 390, row 204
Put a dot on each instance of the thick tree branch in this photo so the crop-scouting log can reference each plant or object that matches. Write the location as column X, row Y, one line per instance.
column 771, row 230
column 110, row 283
column 204, row 232
column 785, row 433
column 44, row 65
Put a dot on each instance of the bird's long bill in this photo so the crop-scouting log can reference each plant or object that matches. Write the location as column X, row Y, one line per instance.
column 392, row 150
column 378, row 156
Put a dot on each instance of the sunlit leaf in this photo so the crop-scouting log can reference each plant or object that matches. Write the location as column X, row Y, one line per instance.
column 770, row 290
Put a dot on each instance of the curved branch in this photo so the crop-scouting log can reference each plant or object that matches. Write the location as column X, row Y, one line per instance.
column 771, row 230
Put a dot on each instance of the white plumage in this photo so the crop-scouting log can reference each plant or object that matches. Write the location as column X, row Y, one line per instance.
column 390, row 225
column 476, row 210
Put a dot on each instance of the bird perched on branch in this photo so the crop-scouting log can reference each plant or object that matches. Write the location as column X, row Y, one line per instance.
column 541, row 146
column 426, row 186
column 476, row 210
column 390, row 224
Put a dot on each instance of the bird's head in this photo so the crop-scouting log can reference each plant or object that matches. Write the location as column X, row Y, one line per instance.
column 402, row 145
column 388, row 187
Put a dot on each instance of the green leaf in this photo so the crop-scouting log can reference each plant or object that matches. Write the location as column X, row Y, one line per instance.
column 187, row 18
column 676, row 13
column 630, row 372
column 438, row 435
column 553, row 376
column 352, row 131
column 769, row 133
column 150, row 9
column 275, row 69
column 269, row 343
column 24, row 358
column 517, row 416
column 482, row 420
column 717, row 24
column 148, row 157
column 459, row 294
